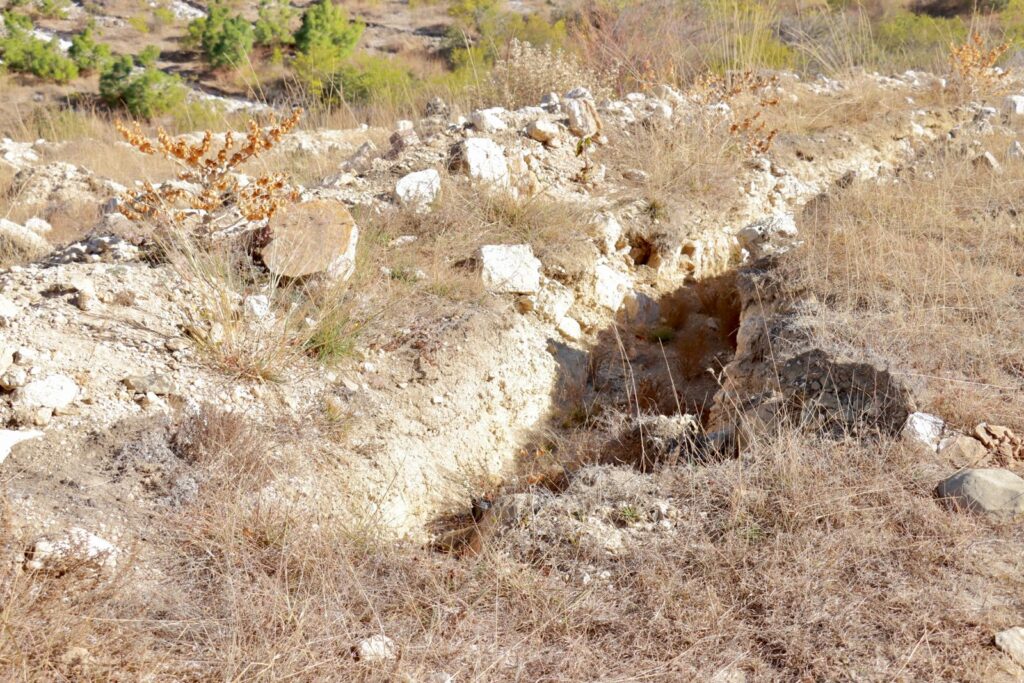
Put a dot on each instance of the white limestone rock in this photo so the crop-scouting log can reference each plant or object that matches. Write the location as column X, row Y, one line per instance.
column 510, row 268
column 418, row 190
column 55, row 392
column 73, row 547
column 482, row 159
column 924, row 429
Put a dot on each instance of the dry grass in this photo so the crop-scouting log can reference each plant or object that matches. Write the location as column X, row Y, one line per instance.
column 681, row 169
column 925, row 274
column 809, row 560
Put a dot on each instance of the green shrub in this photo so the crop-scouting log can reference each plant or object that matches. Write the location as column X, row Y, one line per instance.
column 144, row 92
column 481, row 28
column 23, row 52
column 139, row 24
column 272, row 27
column 88, row 55
column 224, row 40
column 370, row 78
column 148, row 56
column 327, row 32
column 53, row 9
column 164, row 16
column 906, row 31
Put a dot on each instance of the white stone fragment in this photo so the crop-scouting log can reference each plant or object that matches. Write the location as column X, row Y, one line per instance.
column 924, row 429
column 56, row 392
column 510, row 268
column 418, row 190
column 610, row 286
column 377, row 648
column 483, row 159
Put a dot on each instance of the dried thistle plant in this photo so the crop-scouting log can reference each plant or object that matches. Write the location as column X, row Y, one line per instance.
column 973, row 67
column 748, row 95
column 211, row 172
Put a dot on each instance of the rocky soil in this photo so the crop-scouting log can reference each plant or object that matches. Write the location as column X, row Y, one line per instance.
column 442, row 419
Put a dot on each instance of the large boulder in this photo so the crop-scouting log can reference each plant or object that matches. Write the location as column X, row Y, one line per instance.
column 314, row 237
column 992, row 492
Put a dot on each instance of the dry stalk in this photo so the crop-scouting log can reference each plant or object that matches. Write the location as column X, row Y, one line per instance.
column 973, row 67
column 212, row 172
column 737, row 90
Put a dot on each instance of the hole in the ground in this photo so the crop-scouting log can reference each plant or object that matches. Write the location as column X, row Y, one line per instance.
column 658, row 365
column 640, row 250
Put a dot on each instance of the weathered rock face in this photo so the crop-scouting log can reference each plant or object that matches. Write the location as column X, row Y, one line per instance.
column 314, row 237
column 778, row 374
column 992, row 492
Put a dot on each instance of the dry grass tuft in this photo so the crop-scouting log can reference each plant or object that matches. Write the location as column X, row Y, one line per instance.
column 925, row 275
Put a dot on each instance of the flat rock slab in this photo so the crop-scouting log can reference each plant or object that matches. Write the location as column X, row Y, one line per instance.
column 309, row 238
column 992, row 492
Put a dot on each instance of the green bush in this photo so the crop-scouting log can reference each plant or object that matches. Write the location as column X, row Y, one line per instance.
column 327, row 32
column 272, row 27
column 88, row 55
column 906, row 31
column 224, row 40
column 53, row 9
column 148, row 56
column 144, row 92
column 369, row 78
column 481, row 28
column 23, row 52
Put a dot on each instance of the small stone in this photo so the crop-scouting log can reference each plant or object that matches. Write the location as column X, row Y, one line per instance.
column 543, row 131
column 510, row 268
column 553, row 301
column 437, row 400
column 176, row 344
column 76, row 545
column 610, row 286
column 988, row 161
column 56, row 392
column 583, row 119
column 1011, row 641
column 924, row 429
column 418, row 190
column 961, row 450
column 570, row 329
column 156, row 383
column 8, row 309
column 607, row 231
column 256, row 307
column 377, row 648
column 13, row 378
column 314, row 237
column 488, row 120
column 992, row 492
column 10, row 438
column 1013, row 105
